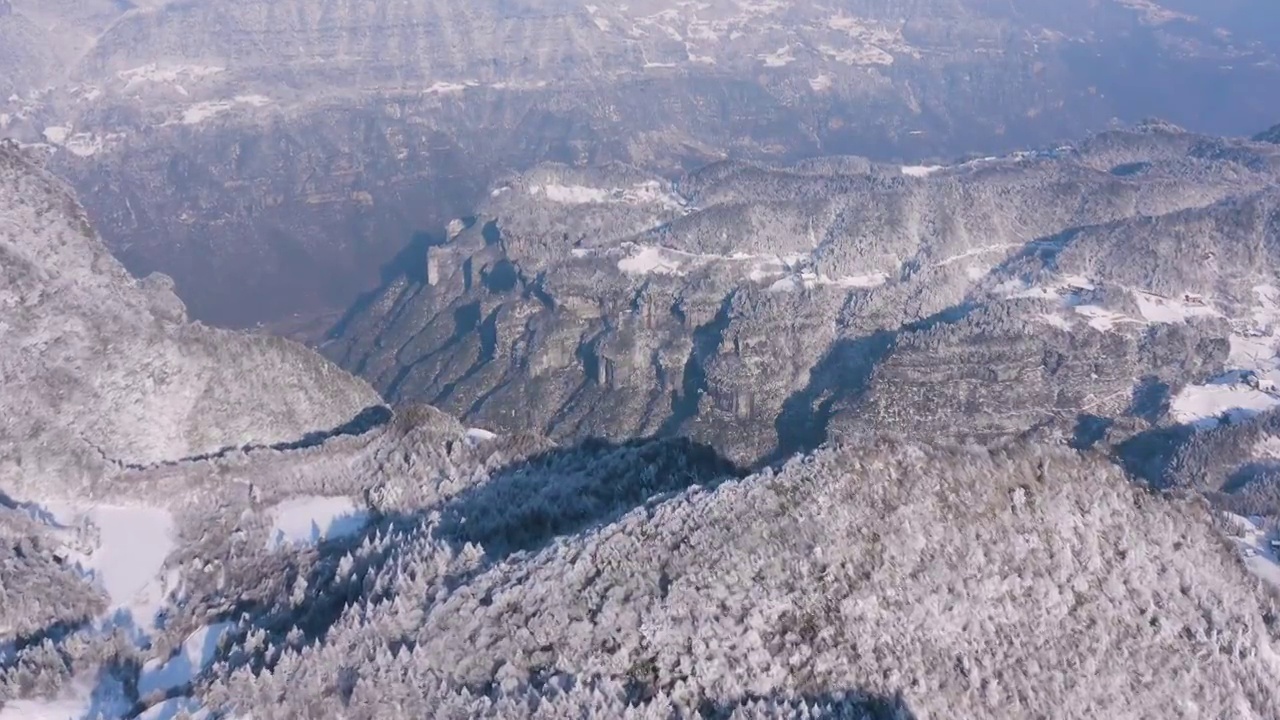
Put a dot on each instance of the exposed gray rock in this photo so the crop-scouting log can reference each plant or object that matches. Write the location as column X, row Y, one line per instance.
column 750, row 306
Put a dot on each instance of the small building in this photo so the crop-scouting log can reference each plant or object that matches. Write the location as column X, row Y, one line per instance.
column 1258, row 382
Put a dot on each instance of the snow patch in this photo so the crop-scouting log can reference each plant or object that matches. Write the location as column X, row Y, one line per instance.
column 646, row 192
column 169, row 74
column 921, row 170
column 1255, row 548
column 475, row 436
column 1169, row 310
column 977, row 252
column 202, row 111
column 71, row 708
column 857, row 56
column 134, row 542
column 1249, row 389
column 869, row 280
column 57, row 134
column 197, row 653
column 79, row 144
column 314, row 518
column 822, row 83
column 1153, row 13
column 1055, row 320
column 447, row 88
column 783, row 273
column 786, row 284
column 1268, row 447
column 172, row 708
column 651, row 261
column 78, row 701
column 778, row 58
column 1203, row 405
column 1101, row 318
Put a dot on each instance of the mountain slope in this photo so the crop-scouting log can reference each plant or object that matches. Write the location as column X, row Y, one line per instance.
column 422, row 568
column 761, row 309
column 107, row 371
column 951, row 581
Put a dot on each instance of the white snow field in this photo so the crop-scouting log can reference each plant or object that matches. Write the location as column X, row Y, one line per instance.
column 314, row 518
column 127, row 560
column 1247, row 389
column 196, row 653
column 133, row 542
column 1255, row 546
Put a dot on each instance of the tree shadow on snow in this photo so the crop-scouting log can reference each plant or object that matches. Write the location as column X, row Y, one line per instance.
column 523, row 506
column 831, row 705
column 565, row 491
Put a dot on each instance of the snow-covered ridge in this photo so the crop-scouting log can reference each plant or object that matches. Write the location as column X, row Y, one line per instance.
column 647, row 192
column 781, row 273
column 154, row 73
column 923, row 171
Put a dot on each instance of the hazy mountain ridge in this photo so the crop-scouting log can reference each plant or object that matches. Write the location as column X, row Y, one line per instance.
column 759, row 303
column 285, row 151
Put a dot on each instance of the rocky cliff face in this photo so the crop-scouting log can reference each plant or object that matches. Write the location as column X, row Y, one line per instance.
column 272, row 157
column 104, row 371
column 758, row 308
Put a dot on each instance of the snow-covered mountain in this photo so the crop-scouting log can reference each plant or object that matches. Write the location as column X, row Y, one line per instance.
column 1127, row 280
column 412, row 566
column 103, row 371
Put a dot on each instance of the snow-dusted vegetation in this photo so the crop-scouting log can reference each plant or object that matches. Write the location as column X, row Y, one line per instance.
column 163, row 555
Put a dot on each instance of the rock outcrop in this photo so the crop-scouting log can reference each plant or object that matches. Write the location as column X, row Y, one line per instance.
column 760, row 309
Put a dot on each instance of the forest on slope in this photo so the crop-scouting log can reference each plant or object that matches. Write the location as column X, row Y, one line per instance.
column 406, row 565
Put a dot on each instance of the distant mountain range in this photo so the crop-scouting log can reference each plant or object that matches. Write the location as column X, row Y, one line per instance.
column 273, row 156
